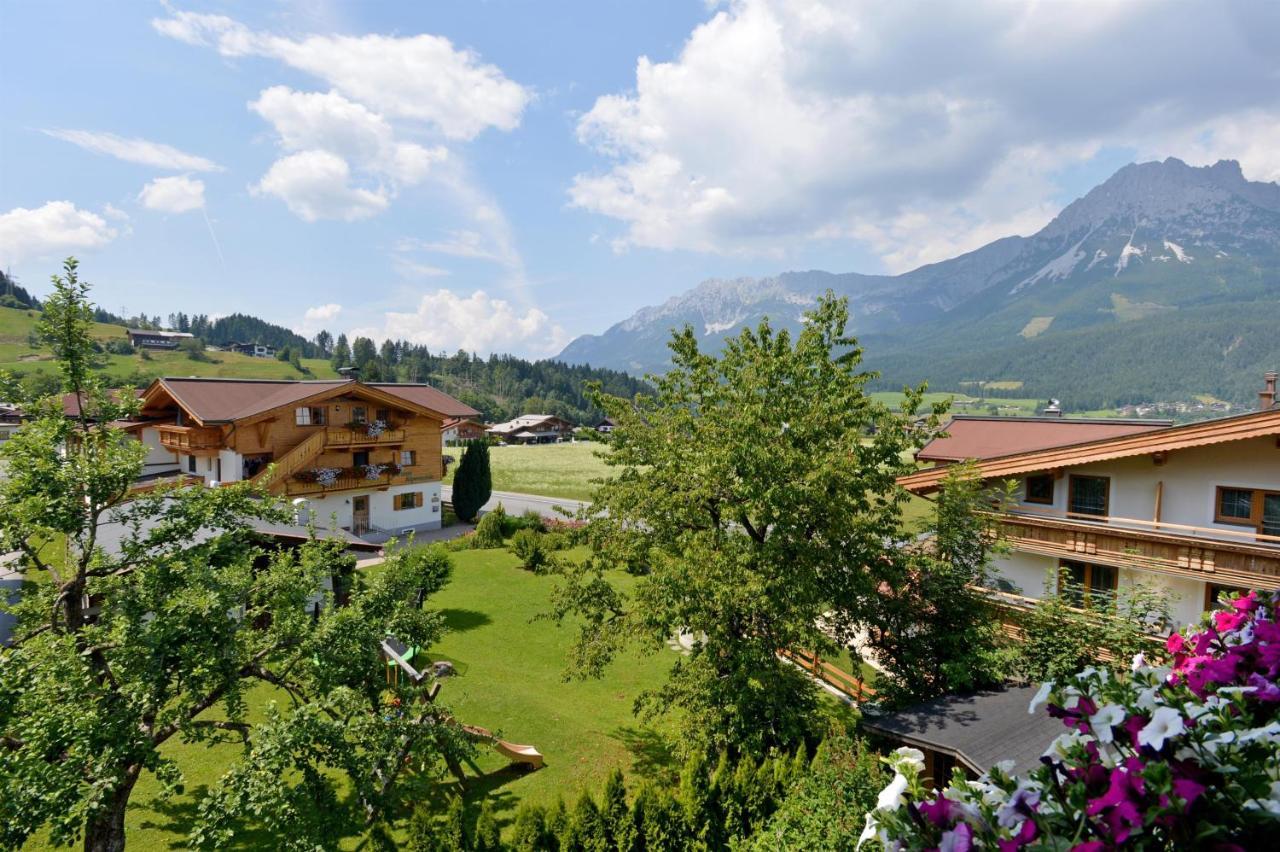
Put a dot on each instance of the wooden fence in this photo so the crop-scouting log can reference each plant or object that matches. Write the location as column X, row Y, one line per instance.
column 833, row 676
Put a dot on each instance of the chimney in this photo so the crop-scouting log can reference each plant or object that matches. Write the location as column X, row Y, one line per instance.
column 1267, row 396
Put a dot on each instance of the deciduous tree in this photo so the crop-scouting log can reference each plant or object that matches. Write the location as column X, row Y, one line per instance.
column 759, row 488
column 148, row 618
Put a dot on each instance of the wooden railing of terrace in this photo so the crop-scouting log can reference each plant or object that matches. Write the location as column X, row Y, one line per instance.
column 835, row 677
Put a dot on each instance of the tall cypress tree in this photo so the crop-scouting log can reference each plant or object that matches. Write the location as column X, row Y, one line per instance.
column 472, row 484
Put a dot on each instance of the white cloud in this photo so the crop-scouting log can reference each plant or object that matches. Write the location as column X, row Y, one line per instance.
column 173, row 194
column 317, row 185
column 319, row 316
column 422, row 77
column 787, row 120
column 330, row 122
column 413, row 269
column 141, row 151
column 56, row 228
column 446, row 321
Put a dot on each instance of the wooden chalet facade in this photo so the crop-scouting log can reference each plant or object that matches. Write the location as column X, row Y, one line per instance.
column 369, row 454
column 1194, row 509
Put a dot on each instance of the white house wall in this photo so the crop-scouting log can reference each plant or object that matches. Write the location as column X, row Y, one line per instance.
column 1191, row 478
column 159, row 459
column 382, row 511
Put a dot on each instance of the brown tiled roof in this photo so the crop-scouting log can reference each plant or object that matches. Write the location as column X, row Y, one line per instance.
column 1242, row 427
column 224, row 400
column 989, row 437
column 71, row 402
column 428, row 397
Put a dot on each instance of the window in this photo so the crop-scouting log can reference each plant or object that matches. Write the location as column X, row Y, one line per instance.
column 1038, row 488
column 307, row 416
column 1089, row 495
column 382, row 414
column 408, row 458
column 360, row 459
column 408, row 500
column 1213, row 593
column 1249, row 507
column 1078, row 582
column 191, row 464
column 358, row 414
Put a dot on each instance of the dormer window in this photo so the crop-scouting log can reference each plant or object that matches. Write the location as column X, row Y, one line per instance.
column 308, row 416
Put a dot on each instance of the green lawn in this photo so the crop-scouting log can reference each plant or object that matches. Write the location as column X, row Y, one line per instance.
column 509, row 680
column 552, row 470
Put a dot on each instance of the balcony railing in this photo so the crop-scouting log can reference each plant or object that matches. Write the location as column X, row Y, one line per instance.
column 359, row 436
column 350, row 479
column 1239, row 536
column 190, row 438
column 1219, row 556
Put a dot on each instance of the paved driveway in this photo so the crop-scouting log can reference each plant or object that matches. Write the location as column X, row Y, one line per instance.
column 518, row 504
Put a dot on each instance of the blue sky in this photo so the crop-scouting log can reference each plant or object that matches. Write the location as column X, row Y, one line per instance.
column 506, row 175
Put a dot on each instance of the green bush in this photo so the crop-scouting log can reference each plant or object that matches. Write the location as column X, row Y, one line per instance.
column 489, row 532
column 473, row 481
column 553, row 541
column 528, row 546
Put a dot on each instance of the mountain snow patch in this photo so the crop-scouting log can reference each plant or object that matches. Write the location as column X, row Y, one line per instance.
column 1178, row 252
column 1060, row 267
column 711, row 328
column 1129, row 250
column 1098, row 256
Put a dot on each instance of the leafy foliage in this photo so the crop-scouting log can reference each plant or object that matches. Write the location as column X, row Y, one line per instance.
column 1060, row 638
column 148, row 617
column 929, row 627
column 748, row 487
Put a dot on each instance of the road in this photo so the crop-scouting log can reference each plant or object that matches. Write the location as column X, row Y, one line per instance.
column 518, row 504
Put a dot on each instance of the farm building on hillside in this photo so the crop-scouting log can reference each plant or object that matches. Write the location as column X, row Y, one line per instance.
column 255, row 350
column 146, row 338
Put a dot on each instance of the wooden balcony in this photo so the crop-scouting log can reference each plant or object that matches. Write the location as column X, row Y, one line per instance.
column 197, row 440
column 342, row 436
column 1217, row 556
column 350, row 479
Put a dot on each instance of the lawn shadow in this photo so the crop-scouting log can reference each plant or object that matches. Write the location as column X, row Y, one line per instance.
column 462, row 620
column 177, row 816
column 652, row 756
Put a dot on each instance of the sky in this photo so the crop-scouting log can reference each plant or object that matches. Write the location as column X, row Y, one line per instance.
column 504, row 176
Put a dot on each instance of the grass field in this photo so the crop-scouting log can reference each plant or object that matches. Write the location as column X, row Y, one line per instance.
column 509, row 680
column 552, row 470
column 17, row 356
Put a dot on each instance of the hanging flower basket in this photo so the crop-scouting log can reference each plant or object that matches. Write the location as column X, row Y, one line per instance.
column 373, row 472
column 327, row 476
column 376, row 428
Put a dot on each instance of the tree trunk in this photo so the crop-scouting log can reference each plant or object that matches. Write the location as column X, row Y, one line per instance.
column 104, row 831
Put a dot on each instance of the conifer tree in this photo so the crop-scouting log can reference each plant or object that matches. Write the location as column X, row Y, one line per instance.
column 454, row 835
column 613, row 810
column 529, row 831
column 488, row 835
column 473, row 482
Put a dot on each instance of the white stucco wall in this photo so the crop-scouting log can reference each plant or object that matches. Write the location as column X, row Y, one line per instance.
column 1191, row 478
column 382, row 511
column 1028, row 571
column 158, row 458
column 232, row 465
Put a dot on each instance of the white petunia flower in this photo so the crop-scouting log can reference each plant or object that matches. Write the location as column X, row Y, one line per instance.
column 1104, row 720
column 868, row 832
column 1147, row 698
column 1041, row 696
column 891, row 797
column 1062, row 746
column 907, row 756
column 1165, row 724
column 1139, row 662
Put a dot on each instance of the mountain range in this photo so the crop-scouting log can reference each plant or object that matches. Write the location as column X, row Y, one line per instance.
column 1161, row 283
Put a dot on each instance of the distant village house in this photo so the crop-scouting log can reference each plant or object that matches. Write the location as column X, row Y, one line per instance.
column 145, row 338
column 532, row 429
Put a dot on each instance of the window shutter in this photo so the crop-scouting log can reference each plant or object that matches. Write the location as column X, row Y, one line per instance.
column 417, row 499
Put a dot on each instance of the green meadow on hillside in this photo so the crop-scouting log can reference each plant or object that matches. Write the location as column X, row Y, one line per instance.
column 19, row 357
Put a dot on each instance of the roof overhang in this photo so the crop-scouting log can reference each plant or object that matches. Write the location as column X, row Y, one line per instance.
column 1259, row 424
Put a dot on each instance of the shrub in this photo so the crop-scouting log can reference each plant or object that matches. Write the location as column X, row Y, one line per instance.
column 490, row 529
column 1157, row 758
column 553, row 541
column 527, row 545
column 529, row 831
column 532, row 520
